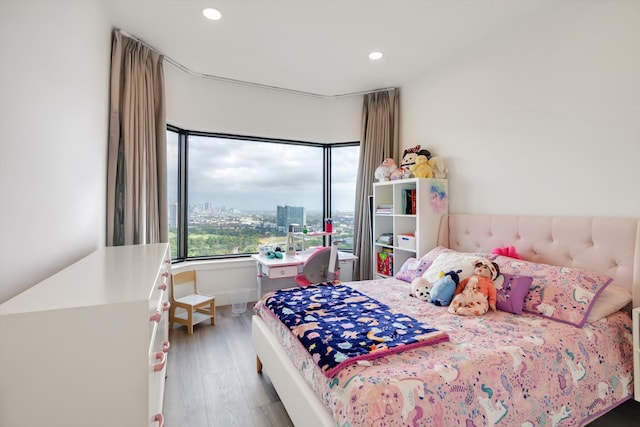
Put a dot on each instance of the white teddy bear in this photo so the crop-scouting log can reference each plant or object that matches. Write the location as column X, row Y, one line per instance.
column 386, row 168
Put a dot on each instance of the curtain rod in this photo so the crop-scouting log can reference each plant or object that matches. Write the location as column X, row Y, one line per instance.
column 187, row 70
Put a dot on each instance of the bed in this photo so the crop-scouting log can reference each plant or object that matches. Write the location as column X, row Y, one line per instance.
column 549, row 365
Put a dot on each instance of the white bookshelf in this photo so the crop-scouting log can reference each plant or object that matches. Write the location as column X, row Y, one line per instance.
column 424, row 223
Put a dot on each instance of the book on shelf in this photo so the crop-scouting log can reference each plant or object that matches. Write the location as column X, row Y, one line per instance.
column 413, row 202
column 409, row 201
column 405, row 199
column 384, row 209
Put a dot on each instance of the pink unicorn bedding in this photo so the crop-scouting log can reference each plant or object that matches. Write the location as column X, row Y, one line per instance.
column 496, row 369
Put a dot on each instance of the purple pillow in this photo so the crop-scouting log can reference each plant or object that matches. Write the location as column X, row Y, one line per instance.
column 511, row 292
column 413, row 268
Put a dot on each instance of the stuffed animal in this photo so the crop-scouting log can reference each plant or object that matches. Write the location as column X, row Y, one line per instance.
column 421, row 169
column 386, row 168
column 409, row 158
column 420, row 288
column 439, row 169
column 397, row 174
column 443, row 289
column 477, row 294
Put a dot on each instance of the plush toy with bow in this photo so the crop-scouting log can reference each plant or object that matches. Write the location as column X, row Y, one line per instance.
column 409, row 158
column 443, row 289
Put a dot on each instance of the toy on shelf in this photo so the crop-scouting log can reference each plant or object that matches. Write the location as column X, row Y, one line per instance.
column 409, row 159
column 438, row 167
column 386, row 168
column 421, row 168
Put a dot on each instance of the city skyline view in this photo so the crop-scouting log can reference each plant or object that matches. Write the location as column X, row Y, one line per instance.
column 258, row 176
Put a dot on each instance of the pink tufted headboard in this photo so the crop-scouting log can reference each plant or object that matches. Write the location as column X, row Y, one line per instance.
column 604, row 245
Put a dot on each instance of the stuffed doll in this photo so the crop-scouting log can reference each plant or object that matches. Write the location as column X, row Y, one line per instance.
column 443, row 289
column 420, row 288
column 475, row 295
column 386, row 168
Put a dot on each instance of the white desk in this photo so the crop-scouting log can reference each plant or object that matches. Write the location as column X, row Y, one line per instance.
column 275, row 273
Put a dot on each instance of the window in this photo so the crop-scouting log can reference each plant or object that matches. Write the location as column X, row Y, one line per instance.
column 173, row 190
column 344, row 174
column 229, row 195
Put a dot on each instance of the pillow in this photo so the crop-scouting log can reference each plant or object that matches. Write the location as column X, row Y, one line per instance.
column 563, row 294
column 511, row 289
column 433, row 253
column 448, row 261
column 612, row 299
column 509, row 251
column 412, row 268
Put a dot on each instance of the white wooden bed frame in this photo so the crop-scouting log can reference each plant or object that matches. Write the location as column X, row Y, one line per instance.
column 604, row 245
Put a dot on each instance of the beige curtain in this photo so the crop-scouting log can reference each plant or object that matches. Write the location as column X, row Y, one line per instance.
column 379, row 140
column 136, row 170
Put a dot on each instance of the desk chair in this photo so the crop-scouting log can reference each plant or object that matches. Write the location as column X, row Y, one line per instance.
column 185, row 295
column 321, row 266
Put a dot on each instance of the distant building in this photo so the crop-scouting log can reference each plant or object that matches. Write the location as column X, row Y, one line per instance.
column 290, row 215
column 173, row 216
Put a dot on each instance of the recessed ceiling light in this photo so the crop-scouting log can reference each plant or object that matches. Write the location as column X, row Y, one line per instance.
column 375, row 55
column 211, row 13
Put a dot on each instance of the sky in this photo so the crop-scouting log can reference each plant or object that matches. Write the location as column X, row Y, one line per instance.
column 252, row 175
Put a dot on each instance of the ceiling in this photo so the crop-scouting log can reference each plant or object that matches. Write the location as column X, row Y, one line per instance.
column 318, row 47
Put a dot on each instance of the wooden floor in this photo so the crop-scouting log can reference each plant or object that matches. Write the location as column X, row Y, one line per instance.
column 212, row 380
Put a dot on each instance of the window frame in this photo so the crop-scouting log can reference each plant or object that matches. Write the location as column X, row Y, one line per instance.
column 183, row 185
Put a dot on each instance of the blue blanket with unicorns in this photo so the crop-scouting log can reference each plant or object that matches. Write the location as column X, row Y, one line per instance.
column 339, row 325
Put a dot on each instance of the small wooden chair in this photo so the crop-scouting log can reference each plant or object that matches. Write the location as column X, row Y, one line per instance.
column 185, row 295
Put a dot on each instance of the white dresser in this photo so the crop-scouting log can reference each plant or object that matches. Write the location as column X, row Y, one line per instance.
column 88, row 346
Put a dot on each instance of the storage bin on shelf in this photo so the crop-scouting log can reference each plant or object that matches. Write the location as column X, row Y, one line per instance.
column 407, row 241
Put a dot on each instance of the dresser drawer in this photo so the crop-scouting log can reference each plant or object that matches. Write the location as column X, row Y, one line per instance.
column 284, row 271
column 159, row 292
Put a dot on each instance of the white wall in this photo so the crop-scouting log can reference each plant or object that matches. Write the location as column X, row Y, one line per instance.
column 209, row 105
column 54, row 80
column 542, row 118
